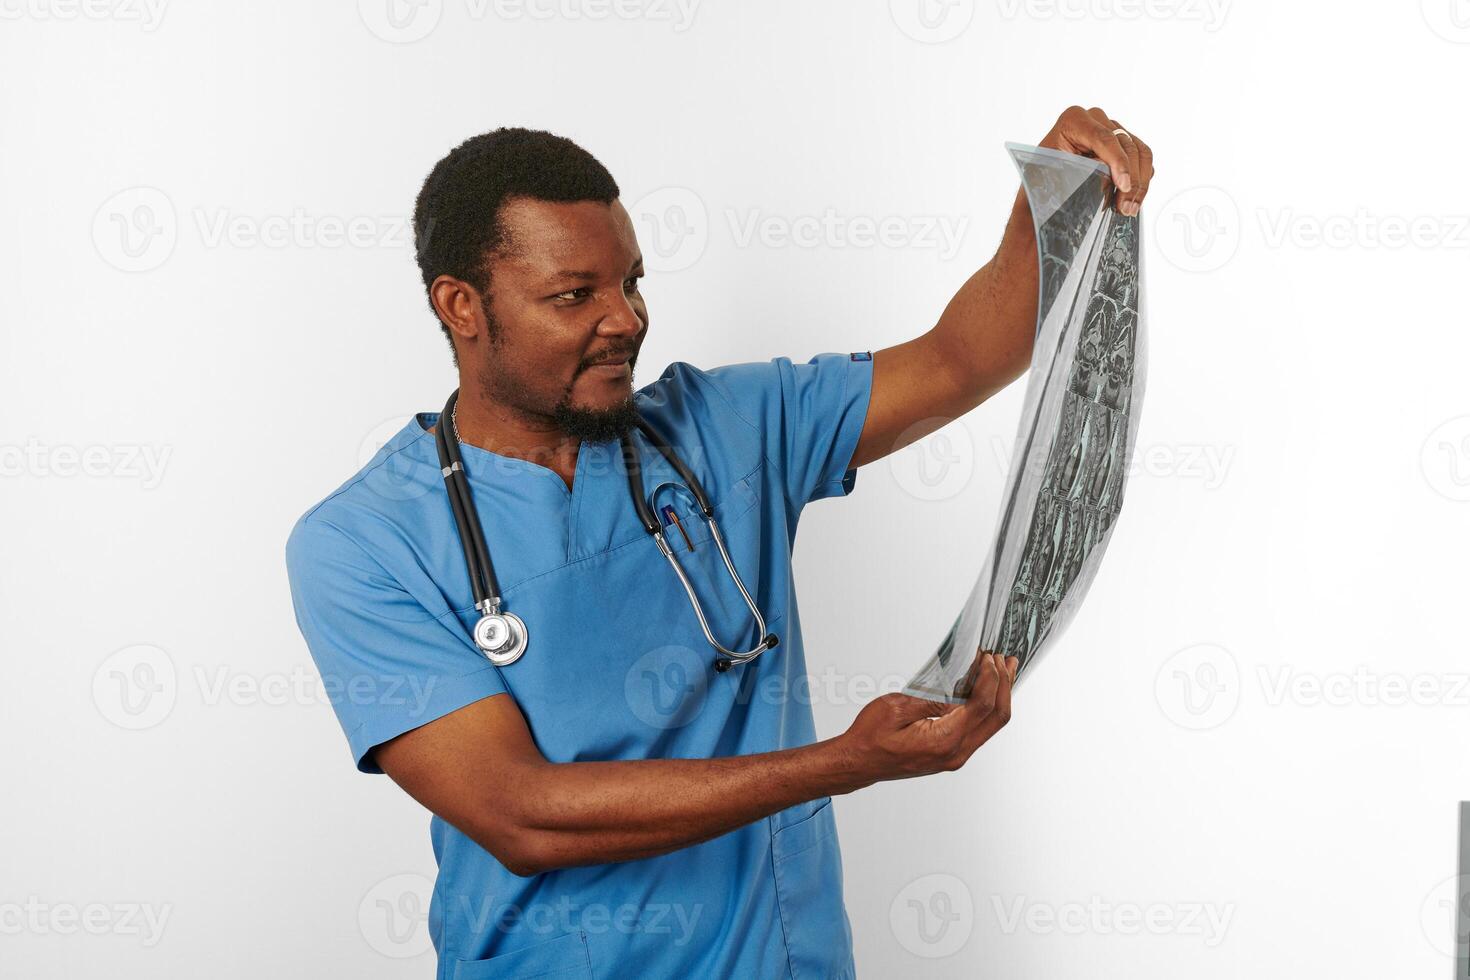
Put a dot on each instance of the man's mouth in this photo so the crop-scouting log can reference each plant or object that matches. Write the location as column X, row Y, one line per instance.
column 615, row 366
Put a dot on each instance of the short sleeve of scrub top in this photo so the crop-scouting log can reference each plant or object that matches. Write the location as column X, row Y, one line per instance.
column 809, row 414
column 387, row 663
column 382, row 599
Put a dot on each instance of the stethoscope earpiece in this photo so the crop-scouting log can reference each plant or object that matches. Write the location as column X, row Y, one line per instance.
column 725, row 663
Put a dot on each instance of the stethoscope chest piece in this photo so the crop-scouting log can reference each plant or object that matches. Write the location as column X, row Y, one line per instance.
column 501, row 637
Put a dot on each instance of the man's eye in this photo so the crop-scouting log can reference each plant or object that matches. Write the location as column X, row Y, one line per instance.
column 577, row 293
column 632, row 283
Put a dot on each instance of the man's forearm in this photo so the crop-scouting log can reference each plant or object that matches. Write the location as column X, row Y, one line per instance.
column 480, row 770
column 988, row 327
column 598, row 812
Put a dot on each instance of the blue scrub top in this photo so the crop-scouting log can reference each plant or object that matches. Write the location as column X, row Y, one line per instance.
column 616, row 668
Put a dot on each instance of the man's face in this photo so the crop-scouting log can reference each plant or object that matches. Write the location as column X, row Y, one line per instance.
column 563, row 302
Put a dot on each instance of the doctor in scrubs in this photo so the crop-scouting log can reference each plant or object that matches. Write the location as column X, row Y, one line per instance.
column 610, row 804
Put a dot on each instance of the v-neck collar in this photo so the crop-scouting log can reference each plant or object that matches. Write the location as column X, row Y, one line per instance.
column 485, row 464
column 500, row 463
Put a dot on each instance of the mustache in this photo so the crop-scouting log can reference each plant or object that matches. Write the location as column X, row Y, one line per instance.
column 631, row 354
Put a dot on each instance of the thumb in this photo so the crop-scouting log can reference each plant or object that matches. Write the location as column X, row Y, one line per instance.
column 906, row 709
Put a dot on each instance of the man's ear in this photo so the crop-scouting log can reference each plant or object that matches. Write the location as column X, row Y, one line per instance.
column 458, row 306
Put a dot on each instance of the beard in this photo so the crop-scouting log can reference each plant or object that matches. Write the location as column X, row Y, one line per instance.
column 583, row 424
column 596, row 424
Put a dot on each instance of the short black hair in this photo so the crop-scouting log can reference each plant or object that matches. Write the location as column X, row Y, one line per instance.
column 456, row 218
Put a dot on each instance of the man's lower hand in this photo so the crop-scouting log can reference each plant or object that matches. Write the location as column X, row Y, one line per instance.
column 898, row 736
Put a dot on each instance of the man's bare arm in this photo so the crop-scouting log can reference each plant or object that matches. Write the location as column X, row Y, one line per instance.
column 983, row 339
column 479, row 769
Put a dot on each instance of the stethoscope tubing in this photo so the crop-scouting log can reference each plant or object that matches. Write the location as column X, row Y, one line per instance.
column 484, row 585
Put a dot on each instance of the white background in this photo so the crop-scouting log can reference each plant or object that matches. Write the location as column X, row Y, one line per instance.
column 1242, row 760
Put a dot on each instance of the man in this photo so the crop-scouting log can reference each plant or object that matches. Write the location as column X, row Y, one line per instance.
column 611, row 804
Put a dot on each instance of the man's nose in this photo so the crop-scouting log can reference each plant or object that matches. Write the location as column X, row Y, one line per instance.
column 621, row 316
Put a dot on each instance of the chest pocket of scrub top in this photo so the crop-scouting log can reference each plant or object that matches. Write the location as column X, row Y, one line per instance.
column 562, row 958
column 674, row 505
column 688, row 534
column 808, row 868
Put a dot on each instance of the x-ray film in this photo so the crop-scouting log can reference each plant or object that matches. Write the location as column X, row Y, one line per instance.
column 1078, row 425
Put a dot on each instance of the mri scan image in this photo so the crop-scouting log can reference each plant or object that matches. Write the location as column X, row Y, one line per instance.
column 1077, row 431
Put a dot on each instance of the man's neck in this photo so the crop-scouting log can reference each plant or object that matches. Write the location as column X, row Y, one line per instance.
column 495, row 428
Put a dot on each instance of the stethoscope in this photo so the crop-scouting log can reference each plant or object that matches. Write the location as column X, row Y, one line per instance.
column 502, row 635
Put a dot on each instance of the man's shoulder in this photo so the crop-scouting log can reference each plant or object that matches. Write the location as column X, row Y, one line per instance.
column 725, row 390
column 394, row 483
